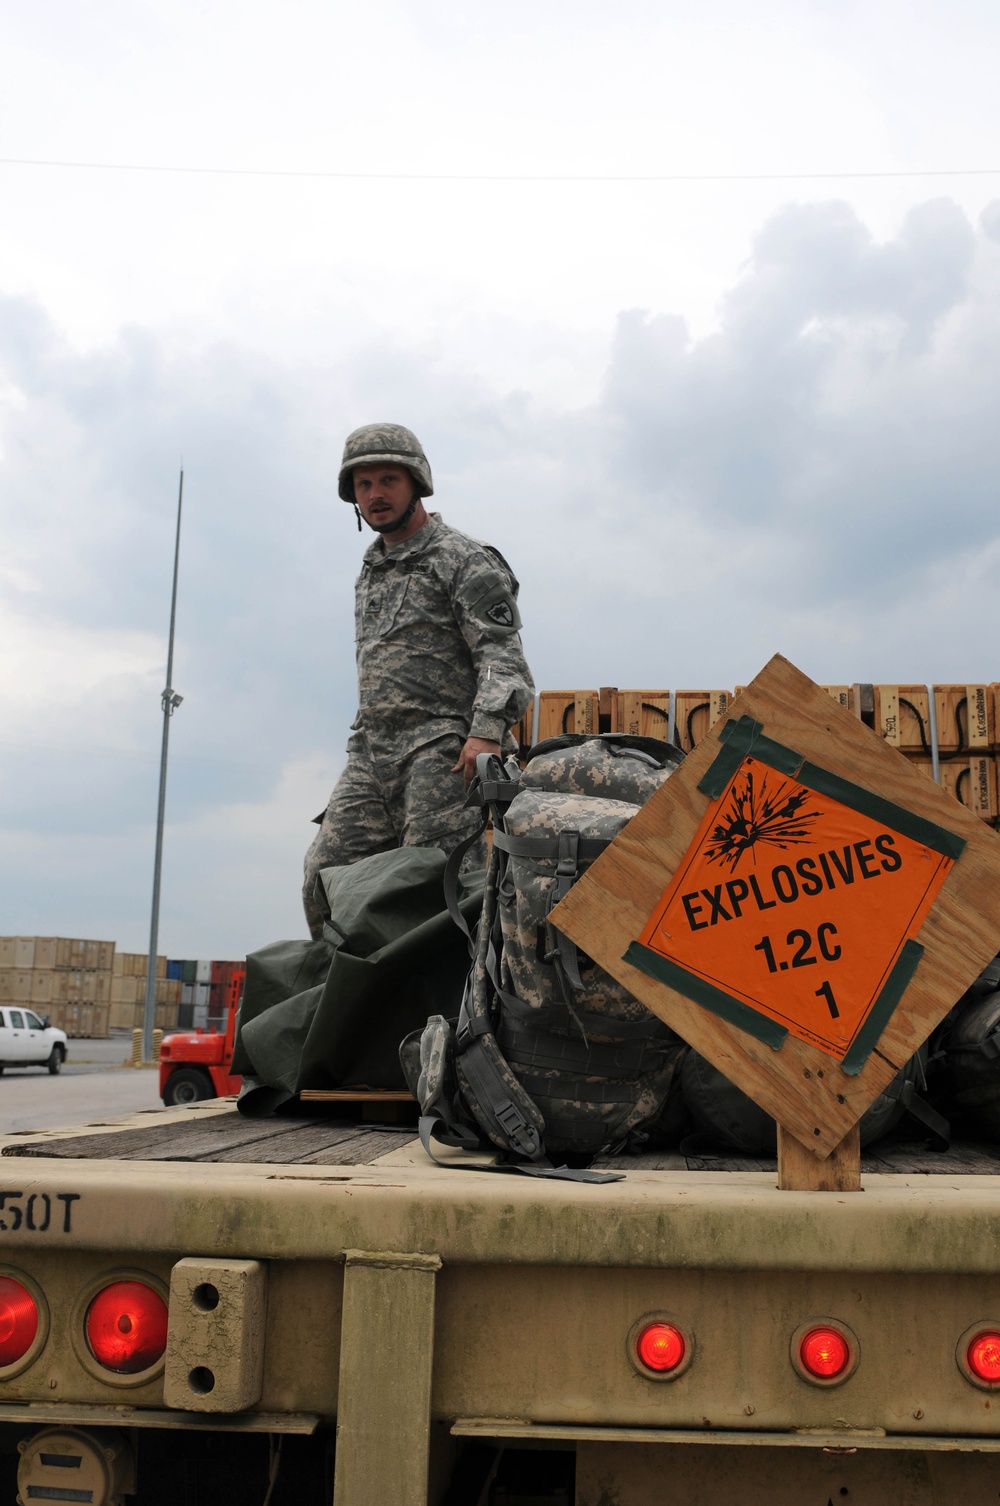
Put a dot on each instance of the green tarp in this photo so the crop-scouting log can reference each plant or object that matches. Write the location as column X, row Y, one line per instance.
column 331, row 1013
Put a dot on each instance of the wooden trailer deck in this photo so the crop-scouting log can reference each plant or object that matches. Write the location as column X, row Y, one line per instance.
column 223, row 1135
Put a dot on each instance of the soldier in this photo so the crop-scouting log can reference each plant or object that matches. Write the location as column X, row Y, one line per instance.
column 441, row 673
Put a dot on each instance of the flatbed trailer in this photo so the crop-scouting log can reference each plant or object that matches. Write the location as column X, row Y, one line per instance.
column 349, row 1322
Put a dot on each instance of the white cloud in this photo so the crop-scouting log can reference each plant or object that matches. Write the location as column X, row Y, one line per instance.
column 815, row 475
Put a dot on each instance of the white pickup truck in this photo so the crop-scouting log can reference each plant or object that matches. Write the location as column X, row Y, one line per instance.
column 27, row 1041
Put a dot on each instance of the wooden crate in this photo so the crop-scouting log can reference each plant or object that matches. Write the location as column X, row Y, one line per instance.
column 965, row 718
column 695, row 712
column 841, row 694
column 134, row 965
column 41, row 986
column 70, row 953
column 67, row 1017
column 903, row 717
column 644, row 713
column 15, row 985
column 17, row 952
column 126, row 990
column 523, row 733
column 124, row 1016
column 972, row 779
column 562, row 711
column 45, row 952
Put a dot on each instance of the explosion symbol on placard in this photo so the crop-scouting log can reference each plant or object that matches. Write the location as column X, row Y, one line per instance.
column 760, row 816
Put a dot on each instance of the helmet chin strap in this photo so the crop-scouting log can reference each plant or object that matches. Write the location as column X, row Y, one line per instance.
column 358, row 516
column 401, row 521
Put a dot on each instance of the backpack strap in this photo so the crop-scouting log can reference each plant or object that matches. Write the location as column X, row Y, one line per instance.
column 493, row 789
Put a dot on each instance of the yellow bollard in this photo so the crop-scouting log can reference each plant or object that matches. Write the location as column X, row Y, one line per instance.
column 157, row 1043
column 136, row 1058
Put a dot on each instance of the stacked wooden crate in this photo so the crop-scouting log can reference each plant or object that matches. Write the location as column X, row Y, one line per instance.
column 953, row 728
column 65, row 978
column 128, row 992
column 954, row 725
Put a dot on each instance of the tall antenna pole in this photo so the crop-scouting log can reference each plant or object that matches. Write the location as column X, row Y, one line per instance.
column 169, row 701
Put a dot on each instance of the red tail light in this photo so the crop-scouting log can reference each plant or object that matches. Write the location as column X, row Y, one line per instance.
column 660, row 1347
column 18, row 1320
column 126, row 1327
column 824, row 1353
column 983, row 1357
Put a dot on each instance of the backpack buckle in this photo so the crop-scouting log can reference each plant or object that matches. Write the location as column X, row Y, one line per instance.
column 522, row 1137
column 567, row 865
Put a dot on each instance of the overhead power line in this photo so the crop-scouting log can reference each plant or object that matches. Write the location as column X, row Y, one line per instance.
column 347, row 177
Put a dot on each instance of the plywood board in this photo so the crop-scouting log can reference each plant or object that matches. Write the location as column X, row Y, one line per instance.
column 954, row 929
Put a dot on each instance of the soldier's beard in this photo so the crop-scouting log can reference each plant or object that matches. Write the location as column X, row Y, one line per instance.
column 400, row 522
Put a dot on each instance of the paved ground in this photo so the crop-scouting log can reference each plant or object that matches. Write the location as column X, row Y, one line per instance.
column 94, row 1084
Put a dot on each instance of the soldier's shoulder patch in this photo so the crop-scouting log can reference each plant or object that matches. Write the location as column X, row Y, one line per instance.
column 491, row 602
column 501, row 613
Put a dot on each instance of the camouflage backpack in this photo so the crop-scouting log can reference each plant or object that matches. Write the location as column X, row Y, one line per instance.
column 550, row 1055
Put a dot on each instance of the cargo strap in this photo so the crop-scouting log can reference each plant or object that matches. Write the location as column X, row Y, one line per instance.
column 936, row 1125
column 586, row 849
column 428, row 1129
column 990, row 1044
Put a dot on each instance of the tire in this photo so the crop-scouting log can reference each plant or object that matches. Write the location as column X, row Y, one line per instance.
column 187, row 1085
column 56, row 1060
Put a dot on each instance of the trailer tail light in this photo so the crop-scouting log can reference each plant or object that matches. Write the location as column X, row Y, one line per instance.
column 126, row 1327
column 825, row 1353
column 983, row 1356
column 661, row 1347
column 18, row 1321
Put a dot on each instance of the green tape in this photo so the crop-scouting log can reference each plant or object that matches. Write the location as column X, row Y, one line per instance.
column 747, row 737
column 881, row 1013
column 906, row 822
column 706, row 994
column 736, row 738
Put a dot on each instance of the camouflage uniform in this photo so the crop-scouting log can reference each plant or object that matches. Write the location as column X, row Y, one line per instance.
column 439, row 660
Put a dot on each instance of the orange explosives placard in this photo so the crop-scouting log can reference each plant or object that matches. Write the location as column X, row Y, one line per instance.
column 795, row 911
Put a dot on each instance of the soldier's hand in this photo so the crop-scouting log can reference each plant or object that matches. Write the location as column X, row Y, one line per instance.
column 466, row 765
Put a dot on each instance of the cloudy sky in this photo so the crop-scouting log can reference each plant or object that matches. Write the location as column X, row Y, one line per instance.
column 694, row 308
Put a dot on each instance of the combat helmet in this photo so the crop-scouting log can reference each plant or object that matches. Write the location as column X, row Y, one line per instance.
column 373, row 444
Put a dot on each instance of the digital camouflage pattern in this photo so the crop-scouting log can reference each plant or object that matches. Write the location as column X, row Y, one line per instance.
column 391, row 444
column 439, row 660
column 594, row 1065
column 622, row 768
column 525, row 899
column 438, row 649
column 415, row 802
